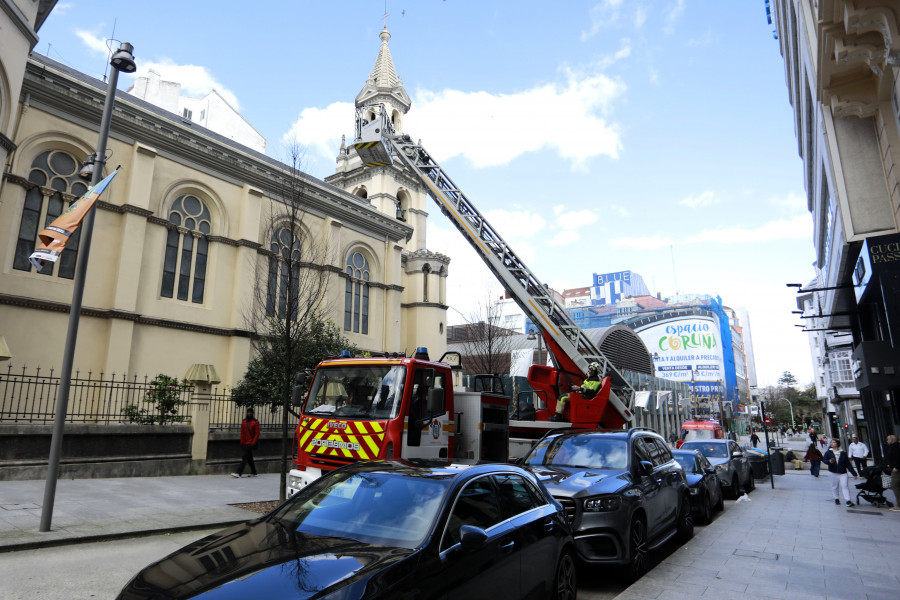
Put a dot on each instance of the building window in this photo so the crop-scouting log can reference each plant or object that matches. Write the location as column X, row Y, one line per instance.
column 356, row 294
column 187, row 248
column 56, row 174
column 426, row 271
column 841, row 371
column 188, row 114
column 284, row 272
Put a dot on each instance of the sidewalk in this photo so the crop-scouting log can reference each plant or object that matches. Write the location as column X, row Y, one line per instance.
column 789, row 542
column 99, row 509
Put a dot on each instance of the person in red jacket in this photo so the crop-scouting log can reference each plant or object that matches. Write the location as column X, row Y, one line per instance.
column 249, row 439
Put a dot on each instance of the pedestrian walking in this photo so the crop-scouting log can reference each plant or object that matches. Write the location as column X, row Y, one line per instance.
column 892, row 468
column 754, row 439
column 814, row 458
column 838, row 464
column 858, row 453
column 812, row 436
column 249, row 443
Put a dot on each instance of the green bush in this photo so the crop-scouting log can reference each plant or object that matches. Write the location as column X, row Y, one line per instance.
column 164, row 397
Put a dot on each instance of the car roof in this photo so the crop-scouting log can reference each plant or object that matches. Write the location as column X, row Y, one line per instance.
column 431, row 469
column 713, row 441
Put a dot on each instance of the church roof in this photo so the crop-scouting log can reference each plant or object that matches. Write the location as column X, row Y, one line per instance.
column 384, row 79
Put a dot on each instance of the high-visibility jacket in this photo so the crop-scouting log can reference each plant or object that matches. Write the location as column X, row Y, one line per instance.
column 590, row 387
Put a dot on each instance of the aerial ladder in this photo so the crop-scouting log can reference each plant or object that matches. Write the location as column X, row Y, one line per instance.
column 377, row 144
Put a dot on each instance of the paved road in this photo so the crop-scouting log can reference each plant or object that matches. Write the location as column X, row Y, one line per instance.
column 90, row 570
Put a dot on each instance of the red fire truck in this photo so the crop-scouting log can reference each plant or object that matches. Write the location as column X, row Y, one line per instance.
column 360, row 409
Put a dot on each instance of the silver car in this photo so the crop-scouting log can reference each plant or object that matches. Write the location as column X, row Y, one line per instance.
column 732, row 466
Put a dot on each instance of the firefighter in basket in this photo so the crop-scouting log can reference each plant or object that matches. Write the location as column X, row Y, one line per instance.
column 589, row 388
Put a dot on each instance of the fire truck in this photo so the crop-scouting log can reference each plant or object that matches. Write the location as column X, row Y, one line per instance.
column 392, row 406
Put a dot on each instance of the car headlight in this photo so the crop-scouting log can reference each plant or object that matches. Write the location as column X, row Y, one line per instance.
column 294, row 482
column 606, row 503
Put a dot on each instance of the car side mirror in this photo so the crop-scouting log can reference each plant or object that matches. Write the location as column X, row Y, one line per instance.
column 471, row 537
column 297, row 394
column 645, row 467
column 737, row 454
column 709, row 470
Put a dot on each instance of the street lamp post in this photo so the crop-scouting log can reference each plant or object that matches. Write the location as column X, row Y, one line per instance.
column 122, row 60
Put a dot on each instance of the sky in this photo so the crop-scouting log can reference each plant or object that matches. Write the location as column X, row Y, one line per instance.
column 647, row 135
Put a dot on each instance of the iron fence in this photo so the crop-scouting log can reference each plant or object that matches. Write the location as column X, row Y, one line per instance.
column 31, row 398
column 224, row 414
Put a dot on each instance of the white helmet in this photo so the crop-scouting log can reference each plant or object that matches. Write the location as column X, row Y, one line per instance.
column 594, row 366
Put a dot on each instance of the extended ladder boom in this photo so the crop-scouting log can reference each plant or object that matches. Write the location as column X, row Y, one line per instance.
column 376, row 143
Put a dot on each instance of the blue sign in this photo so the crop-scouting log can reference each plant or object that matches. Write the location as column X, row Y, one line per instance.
column 603, row 279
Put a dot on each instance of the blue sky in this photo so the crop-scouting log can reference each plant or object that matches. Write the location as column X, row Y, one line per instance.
column 601, row 136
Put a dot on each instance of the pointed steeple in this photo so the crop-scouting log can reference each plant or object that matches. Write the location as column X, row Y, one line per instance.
column 383, row 84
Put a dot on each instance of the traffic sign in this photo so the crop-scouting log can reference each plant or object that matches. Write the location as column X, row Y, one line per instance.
column 768, row 421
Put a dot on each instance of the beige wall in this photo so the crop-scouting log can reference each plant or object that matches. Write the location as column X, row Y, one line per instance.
column 126, row 325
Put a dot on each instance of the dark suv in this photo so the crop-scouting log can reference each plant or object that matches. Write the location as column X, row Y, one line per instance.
column 623, row 491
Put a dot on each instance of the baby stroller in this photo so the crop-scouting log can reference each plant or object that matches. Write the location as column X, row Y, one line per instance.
column 872, row 489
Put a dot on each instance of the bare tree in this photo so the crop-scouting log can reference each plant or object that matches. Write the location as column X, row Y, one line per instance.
column 291, row 295
column 486, row 345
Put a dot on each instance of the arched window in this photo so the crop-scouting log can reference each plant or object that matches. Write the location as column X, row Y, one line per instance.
column 186, row 250
column 284, row 271
column 356, row 296
column 57, row 171
column 426, row 271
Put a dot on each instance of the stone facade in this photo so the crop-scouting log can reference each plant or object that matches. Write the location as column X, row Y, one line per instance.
column 184, row 235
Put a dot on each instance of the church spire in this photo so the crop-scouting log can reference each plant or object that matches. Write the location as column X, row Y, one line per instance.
column 384, row 85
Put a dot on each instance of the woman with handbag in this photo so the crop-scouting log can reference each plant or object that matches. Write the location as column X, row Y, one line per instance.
column 249, row 443
column 814, row 458
column 838, row 464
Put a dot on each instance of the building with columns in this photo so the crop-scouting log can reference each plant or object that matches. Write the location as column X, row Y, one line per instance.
column 185, row 239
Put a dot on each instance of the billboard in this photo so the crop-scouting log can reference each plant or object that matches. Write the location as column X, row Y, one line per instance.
column 688, row 350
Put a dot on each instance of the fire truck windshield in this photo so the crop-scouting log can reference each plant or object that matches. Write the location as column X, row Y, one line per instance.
column 356, row 391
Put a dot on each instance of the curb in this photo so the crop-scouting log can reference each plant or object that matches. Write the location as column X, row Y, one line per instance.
column 124, row 535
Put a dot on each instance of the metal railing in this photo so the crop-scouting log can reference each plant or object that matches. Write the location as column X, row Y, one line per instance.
column 31, row 398
column 224, row 414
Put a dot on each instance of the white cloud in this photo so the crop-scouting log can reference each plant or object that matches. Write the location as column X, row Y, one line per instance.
column 621, row 54
column 564, row 237
column 641, row 243
column 640, row 17
column 317, row 129
column 507, row 126
column 97, row 45
column 800, row 227
column 62, row 8
column 792, row 202
column 620, row 210
column 672, row 15
column 195, row 80
column 603, row 14
column 705, row 198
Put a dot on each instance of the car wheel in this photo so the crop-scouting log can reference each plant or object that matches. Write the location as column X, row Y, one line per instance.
column 706, row 510
column 637, row 551
column 751, row 485
column 734, row 490
column 566, row 584
column 685, row 521
column 720, row 505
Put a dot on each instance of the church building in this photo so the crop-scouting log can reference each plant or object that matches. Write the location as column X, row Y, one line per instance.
column 185, row 244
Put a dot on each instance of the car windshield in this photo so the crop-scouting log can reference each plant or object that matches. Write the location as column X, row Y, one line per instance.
column 356, row 391
column 686, row 461
column 708, row 450
column 697, row 434
column 587, row 451
column 388, row 509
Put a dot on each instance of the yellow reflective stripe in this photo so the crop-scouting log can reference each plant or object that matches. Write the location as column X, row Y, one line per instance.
column 372, row 444
column 377, row 427
column 339, row 439
column 543, row 317
column 360, row 427
column 315, row 424
column 304, row 437
column 362, row 450
column 449, row 428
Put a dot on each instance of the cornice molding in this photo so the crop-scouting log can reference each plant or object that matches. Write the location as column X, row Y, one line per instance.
column 6, row 143
column 424, row 305
column 51, row 306
column 76, row 97
column 18, row 19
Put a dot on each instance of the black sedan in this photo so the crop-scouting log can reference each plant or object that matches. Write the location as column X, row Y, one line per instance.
column 706, row 491
column 384, row 529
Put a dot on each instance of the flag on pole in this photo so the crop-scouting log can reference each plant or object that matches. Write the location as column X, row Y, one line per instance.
column 55, row 236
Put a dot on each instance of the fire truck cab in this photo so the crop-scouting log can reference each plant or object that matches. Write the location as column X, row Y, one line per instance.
column 393, row 407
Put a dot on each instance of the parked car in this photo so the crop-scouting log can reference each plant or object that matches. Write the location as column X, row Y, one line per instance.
column 706, row 491
column 732, row 466
column 623, row 492
column 385, row 529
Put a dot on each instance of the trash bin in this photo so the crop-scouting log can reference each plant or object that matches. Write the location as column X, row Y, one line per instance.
column 777, row 461
column 759, row 466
